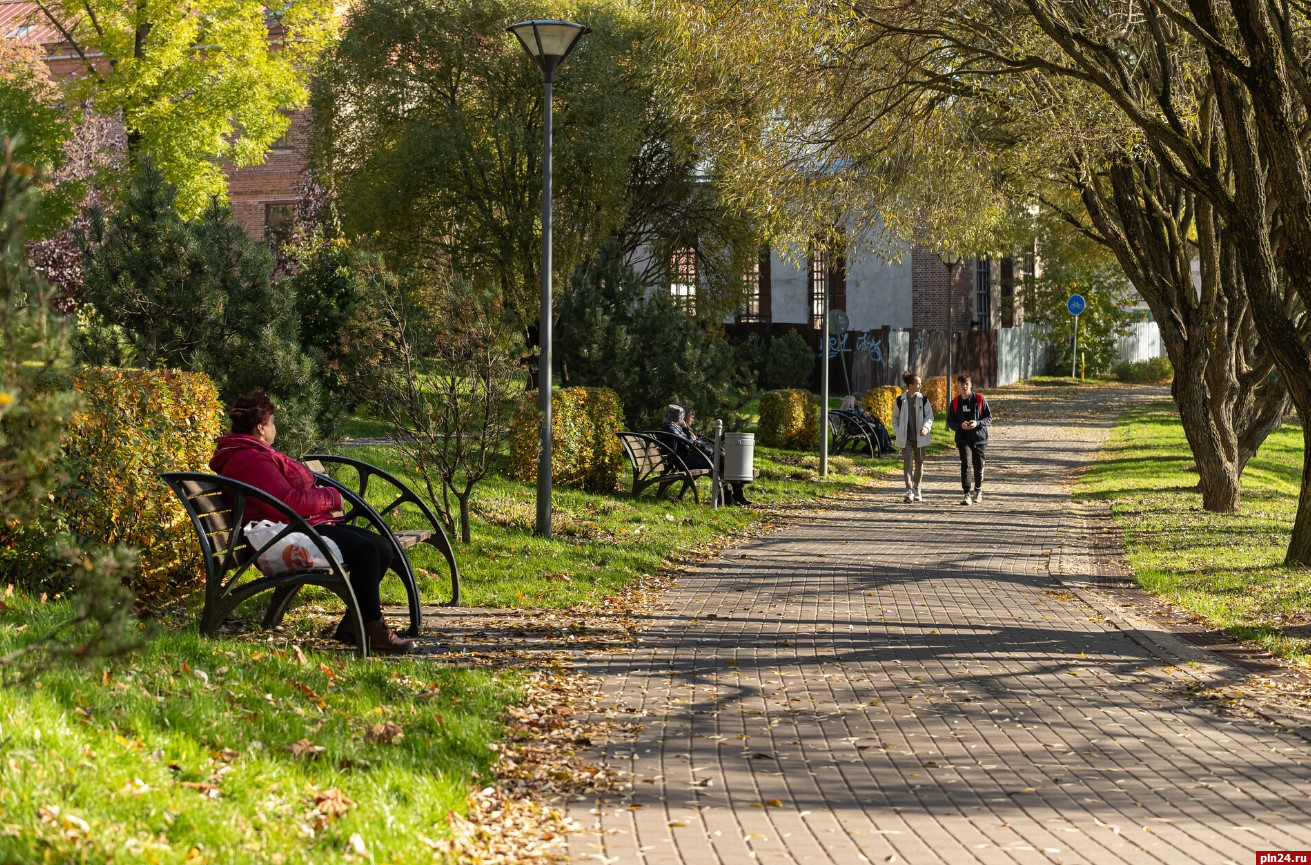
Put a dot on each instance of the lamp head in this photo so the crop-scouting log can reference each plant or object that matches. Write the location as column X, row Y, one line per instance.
column 548, row 42
column 949, row 257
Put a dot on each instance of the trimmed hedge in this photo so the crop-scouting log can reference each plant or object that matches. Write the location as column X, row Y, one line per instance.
column 879, row 400
column 938, row 392
column 1153, row 370
column 135, row 424
column 789, row 419
column 585, row 451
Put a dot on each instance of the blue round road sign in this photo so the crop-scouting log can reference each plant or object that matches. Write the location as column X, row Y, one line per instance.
column 1075, row 304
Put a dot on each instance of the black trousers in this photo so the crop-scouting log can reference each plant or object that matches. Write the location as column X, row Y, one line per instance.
column 695, row 458
column 367, row 555
column 971, row 455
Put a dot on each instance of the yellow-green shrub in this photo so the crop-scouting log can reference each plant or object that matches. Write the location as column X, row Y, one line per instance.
column 585, row 451
column 789, row 419
column 937, row 391
column 879, row 400
column 135, row 424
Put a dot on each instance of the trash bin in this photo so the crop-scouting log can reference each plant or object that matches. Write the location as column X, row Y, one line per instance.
column 739, row 456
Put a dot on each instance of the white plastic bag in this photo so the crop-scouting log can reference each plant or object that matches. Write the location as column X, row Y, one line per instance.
column 293, row 552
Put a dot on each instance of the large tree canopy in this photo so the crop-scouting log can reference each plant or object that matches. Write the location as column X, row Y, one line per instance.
column 428, row 130
column 196, row 83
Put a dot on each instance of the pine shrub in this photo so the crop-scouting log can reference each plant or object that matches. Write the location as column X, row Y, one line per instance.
column 790, row 363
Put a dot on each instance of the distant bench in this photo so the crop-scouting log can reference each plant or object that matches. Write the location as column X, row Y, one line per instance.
column 852, row 432
column 656, row 463
column 217, row 507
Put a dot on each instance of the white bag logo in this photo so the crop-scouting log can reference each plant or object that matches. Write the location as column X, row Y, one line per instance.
column 292, row 552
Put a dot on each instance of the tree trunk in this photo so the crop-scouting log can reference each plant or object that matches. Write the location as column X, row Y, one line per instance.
column 1217, row 467
column 465, row 537
column 1299, row 545
column 1223, row 390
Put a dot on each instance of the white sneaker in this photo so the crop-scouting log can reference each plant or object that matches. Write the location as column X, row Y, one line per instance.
column 910, row 497
column 978, row 496
column 919, row 496
column 966, row 500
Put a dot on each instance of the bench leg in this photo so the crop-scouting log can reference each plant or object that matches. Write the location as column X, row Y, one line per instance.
column 279, row 602
column 403, row 569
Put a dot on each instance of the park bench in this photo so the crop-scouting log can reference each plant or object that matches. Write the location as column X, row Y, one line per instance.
column 848, row 433
column 410, row 519
column 655, row 461
column 216, row 506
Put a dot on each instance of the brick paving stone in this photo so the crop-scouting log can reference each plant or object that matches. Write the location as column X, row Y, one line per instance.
column 911, row 683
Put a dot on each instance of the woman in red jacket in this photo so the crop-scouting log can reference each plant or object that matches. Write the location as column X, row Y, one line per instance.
column 247, row 454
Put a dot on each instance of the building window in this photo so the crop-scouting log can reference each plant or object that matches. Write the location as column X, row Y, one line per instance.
column 283, row 141
column 682, row 277
column 278, row 219
column 751, row 291
column 817, row 282
column 983, row 293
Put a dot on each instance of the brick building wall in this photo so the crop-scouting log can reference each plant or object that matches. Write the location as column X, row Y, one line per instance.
column 929, row 291
column 258, row 193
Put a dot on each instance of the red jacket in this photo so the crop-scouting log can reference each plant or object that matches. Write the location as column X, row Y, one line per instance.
column 246, row 458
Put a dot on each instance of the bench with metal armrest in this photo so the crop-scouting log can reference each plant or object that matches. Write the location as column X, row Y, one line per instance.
column 217, row 508
column 400, row 507
column 656, row 463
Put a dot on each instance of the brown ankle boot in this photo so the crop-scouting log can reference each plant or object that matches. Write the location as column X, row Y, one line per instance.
column 345, row 632
column 383, row 642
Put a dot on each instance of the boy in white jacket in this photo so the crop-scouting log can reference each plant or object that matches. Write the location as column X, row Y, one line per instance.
column 912, row 421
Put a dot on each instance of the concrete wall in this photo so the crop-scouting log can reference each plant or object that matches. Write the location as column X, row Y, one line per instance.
column 878, row 292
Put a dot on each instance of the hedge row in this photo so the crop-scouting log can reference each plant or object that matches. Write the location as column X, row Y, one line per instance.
column 131, row 426
column 879, row 400
column 788, row 419
column 134, row 425
column 585, row 451
column 937, row 391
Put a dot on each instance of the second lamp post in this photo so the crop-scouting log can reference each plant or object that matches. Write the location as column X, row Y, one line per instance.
column 548, row 43
column 949, row 260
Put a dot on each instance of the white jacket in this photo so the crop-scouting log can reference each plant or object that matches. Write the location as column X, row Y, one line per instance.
column 925, row 418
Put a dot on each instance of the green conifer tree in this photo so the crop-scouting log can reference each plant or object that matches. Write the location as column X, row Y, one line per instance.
column 201, row 296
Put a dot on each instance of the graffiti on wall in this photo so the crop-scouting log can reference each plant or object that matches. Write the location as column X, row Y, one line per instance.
column 872, row 344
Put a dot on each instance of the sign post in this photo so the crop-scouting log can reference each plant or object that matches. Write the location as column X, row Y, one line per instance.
column 1076, row 306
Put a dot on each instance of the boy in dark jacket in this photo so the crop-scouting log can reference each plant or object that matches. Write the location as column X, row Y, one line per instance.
column 968, row 414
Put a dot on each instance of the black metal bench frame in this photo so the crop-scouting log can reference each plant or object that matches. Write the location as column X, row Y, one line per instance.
column 217, row 508
column 656, row 462
column 399, row 496
column 849, row 434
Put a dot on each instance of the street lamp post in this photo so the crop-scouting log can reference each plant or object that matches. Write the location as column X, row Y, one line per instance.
column 949, row 260
column 823, row 385
column 548, row 43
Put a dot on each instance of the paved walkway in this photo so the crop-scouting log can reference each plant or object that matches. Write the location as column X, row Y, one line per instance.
column 892, row 683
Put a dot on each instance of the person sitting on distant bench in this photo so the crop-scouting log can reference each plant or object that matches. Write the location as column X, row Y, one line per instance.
column 852, row 408
column 697, row 450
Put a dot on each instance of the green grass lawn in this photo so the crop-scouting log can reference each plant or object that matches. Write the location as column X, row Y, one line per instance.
column 1227, row 568
column 184, row 752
